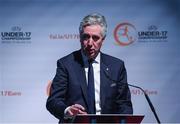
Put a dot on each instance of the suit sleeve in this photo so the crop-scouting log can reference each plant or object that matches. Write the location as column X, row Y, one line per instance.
column 56, row 101
column 123, row 98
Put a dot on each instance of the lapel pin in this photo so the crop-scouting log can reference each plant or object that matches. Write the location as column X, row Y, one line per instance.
column 107, row 69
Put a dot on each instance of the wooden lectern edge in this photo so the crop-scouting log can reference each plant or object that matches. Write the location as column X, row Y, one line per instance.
column 109, row 115
column 127, row 116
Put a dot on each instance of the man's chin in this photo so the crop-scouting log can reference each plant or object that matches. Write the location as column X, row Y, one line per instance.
column 91, row 56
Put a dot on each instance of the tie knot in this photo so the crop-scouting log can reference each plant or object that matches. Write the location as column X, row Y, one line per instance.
column 90, row 61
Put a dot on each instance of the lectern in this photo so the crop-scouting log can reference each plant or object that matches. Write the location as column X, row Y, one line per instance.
column 106, row 118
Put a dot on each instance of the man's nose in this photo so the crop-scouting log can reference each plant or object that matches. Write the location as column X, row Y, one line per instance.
column 90, row 41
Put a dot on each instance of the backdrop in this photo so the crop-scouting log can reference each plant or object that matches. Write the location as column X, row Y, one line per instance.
column 36, row 33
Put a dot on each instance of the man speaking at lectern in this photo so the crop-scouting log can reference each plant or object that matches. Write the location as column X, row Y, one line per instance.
column 81, row 85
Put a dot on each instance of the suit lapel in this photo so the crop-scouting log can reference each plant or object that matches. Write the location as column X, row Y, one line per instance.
column 80, row 72
column 103, row 79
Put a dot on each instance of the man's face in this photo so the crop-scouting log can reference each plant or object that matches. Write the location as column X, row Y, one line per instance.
column 91, row 40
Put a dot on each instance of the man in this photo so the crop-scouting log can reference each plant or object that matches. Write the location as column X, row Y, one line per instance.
column 88, row 81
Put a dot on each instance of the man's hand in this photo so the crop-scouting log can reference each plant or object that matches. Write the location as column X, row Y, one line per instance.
column 76, row 109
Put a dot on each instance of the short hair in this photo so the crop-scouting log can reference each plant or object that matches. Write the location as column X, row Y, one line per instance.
column 94, row 19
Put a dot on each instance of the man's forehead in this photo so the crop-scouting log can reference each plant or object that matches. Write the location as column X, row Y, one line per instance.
column 93, row 28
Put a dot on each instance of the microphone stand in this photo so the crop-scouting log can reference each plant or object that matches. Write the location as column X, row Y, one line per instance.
column 149, row 102
column 145, row 94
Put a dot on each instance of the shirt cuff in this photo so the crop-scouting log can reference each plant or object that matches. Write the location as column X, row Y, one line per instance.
column 65, row 111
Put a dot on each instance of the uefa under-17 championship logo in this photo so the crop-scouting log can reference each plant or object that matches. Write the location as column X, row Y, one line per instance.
column 125, row 34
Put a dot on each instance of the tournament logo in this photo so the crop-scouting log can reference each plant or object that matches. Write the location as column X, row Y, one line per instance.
column 152, row 34
column 16, row 35
column 125, row 34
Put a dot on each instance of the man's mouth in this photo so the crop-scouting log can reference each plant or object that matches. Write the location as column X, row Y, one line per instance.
column 90, row 51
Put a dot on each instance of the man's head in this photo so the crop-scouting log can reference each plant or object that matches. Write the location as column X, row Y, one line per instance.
column 92, row 31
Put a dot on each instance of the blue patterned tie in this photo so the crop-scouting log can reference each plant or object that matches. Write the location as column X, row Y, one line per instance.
column 91, row 91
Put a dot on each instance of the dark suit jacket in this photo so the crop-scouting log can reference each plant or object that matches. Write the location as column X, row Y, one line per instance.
column 69, row 86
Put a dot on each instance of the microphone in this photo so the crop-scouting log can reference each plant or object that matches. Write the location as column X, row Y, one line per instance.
column 145, row 94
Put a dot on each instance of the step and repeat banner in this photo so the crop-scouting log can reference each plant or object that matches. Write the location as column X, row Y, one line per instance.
column 34, row 34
